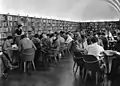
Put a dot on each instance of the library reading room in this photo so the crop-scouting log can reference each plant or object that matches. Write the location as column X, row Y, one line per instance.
column 59, row 42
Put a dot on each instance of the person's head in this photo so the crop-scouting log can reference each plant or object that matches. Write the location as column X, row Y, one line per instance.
column 51, row 35
column 19, row 26
column 55, row 33
column 67, row 33
column 62, row 33
column 36, row 36
column 23, row 36
column 99, row 34
column 94, row 39
column 103, row 34
column 48, row 35
column 10, row 38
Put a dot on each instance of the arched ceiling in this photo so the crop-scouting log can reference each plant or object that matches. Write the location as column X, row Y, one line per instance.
column 78, row 10
column 100, row 10
column 114, row 3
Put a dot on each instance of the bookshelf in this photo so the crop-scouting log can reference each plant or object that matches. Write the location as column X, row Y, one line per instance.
column 9, row 23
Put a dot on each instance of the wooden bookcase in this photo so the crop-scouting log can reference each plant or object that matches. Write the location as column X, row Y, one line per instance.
column 9, row 23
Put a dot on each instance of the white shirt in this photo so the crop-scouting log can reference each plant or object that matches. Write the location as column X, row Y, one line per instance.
column 69, row 39
column 85, row 44
column 61, row 40
column 95, row 49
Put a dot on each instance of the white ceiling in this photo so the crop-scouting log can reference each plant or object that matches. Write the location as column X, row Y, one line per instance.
column 78, row 10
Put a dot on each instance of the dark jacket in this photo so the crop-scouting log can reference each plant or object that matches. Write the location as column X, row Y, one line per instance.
column 117, row 46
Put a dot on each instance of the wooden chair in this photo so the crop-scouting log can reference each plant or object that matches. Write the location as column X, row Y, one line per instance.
column 62, row 49
column 78, row 61
column 93, row 65
column 28, row 56
column 69, row 47
column 52, row 54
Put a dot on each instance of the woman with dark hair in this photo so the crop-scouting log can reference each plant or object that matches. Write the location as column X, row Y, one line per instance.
column 7, row 54
column 7, row 45
column 19, row 30
column 18, row 33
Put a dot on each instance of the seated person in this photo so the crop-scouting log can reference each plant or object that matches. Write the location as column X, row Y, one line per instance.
column 36, row 41
column 45, row 40
column 25, row 43
column 116, row 61
column 69, row 38
column 77, row 48
column 6, row 48
column 94, row 48
column 60, row 39
column 54, row 48
column 78, row 51
column 55, row 44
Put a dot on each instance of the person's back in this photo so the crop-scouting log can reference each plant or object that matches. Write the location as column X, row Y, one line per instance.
column 26, row 43
column 94, row 48
column 61, row 40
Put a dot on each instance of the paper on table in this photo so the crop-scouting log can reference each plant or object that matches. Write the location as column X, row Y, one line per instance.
column 14, row 46
column 1, row 53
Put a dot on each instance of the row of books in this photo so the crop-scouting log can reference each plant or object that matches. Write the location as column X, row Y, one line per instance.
column 5, row 23
column 31, row 19
column 1, row 42
column 5, row 29
column 3, row 35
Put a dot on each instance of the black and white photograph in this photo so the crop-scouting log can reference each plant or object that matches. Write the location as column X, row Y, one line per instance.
column 59, row 42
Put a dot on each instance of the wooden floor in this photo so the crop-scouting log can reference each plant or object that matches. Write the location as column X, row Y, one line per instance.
column 56, row 75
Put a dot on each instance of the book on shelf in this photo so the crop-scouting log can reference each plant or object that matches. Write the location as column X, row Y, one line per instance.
column 9, row 18
column 0, row 48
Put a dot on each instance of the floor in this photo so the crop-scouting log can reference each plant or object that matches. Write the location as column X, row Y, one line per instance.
column 56, row 75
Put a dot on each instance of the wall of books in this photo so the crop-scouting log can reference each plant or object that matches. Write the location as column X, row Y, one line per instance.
column 8, row 24
column 111, row 25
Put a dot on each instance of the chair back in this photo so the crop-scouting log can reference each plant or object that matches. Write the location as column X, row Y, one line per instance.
column 78, row 58
column 28, row 54
column 77, row 54
column 91, row 63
